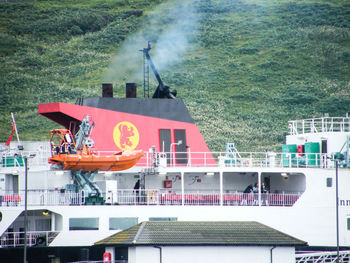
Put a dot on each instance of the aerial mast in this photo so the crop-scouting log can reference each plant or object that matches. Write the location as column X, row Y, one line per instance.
column 162, row 91
column 146, row 71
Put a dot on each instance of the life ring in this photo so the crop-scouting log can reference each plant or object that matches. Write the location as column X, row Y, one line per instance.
column 40, row 241
column 152, row 196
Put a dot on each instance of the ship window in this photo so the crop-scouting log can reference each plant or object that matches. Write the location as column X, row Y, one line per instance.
column 163, row 219
column 122, row 223
column 329, row 182
column 83, row 223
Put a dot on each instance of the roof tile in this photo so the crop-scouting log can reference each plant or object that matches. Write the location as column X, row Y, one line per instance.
column 200, row 233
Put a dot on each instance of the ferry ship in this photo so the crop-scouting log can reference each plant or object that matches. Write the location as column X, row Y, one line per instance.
column 301, row 190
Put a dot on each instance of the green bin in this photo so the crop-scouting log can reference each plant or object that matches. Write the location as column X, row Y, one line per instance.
column 12, row 161
column 312, row 152
column 289, row 152
column 94, row 200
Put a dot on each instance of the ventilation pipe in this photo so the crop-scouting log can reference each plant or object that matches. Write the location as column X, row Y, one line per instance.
column 107, row 90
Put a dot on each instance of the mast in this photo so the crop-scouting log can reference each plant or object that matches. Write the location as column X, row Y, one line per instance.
column 162, row 91
column 20, row 146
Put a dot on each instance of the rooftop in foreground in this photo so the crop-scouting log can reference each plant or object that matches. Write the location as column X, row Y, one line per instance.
column 201, row 233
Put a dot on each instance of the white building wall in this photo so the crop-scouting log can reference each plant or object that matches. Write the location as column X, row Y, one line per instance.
column 335, row 140
column 210, row 254
column 283, row 254
column 132, row 255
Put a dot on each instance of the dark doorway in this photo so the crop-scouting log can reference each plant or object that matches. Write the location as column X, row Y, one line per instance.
column 165, row 141
column 181, row 149
column 324, row 146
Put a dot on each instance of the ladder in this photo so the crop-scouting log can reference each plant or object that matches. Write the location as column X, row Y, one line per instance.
column 145, row 76
column 232, row 155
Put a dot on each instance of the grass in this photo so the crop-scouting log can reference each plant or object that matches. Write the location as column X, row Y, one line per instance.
column 250, row 67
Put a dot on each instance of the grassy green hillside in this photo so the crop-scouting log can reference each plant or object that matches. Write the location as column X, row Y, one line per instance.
column 243, row 67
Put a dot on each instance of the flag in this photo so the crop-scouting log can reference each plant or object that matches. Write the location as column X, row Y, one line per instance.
column 11, row 135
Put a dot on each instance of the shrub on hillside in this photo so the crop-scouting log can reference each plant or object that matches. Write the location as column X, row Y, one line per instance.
column 299, row 94
column 317, row 14
column 66, row 22
column 327, row 33
column 111, row 35
column 9, row 45
column 335, row 105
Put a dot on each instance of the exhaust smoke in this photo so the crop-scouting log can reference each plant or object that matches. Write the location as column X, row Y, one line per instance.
column 170, row 27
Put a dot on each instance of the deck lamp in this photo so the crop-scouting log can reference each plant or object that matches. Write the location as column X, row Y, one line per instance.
column 162, row 173
column 45, row 212
column 284, row 175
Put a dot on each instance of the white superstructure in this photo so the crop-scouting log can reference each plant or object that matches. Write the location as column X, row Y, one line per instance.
column 300, row 201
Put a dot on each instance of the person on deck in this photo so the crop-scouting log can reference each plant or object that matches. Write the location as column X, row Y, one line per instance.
column 256, row 191
column 137, row 190
column 246, row 194
column 264, row 194
column 249, row 189
column 256, row 188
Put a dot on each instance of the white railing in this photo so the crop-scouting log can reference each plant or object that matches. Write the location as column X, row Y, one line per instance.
column 201, row 159
column 42, row 198
column 318, row 257
column 34, row 238
column 272, row 159
column 326, row 124
column 212, row 198
column 155, row 197
column 15, row 159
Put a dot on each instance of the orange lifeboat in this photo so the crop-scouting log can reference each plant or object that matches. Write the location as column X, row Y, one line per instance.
column 65, row 153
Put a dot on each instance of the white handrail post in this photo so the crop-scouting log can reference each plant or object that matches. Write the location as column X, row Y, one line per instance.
column 297, row 155
column 290, row 160
column 322, row 124
column 182, row 188
column 259, row 188
column 303, row 126
column 221, row 188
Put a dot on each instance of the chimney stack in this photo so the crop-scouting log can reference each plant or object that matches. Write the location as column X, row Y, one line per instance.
column 107, row 90
column 131, row 90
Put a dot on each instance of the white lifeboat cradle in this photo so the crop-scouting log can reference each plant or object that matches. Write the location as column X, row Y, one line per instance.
column 299, row 197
